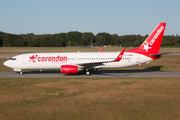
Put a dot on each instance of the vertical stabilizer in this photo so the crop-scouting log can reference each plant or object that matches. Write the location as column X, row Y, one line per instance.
column 153, row 43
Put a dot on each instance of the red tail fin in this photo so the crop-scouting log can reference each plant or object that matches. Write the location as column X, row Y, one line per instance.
column 153, row 43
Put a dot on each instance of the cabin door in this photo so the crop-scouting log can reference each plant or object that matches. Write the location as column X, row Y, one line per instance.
column 24, row 59
column 137, row 58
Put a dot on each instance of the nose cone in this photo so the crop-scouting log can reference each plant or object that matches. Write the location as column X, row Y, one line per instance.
column 6, row 63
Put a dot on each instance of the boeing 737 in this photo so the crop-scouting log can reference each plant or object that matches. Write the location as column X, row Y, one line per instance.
column 72, row 62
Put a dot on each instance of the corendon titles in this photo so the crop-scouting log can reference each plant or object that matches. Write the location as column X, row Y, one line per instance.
column 156, row 35
column 59, row 58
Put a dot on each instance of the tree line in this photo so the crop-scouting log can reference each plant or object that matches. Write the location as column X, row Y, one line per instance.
column 75, row 38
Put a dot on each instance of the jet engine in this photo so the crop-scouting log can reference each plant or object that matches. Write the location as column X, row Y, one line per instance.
column 71, row 69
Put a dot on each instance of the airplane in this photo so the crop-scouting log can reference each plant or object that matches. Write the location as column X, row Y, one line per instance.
column 72, row 62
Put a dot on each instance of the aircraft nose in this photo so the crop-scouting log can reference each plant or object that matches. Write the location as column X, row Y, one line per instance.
column 6, row 63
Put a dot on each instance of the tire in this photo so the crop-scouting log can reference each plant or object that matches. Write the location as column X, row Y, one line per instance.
column 88, row 73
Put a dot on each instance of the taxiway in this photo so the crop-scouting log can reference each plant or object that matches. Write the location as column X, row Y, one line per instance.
column 95, row 74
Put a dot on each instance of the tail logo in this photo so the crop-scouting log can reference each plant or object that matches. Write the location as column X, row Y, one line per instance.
column 146, row 44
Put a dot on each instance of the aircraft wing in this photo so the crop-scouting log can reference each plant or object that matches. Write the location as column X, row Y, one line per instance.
column 93, row 64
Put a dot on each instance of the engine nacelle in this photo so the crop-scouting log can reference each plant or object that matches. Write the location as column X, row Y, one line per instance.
column 71, row 69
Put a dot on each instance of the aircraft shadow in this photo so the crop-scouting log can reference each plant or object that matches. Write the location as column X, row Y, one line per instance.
column 103, row 72
column 126, row 72
column 154, row 68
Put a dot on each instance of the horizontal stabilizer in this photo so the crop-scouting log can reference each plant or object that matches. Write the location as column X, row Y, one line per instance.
column 153, row 55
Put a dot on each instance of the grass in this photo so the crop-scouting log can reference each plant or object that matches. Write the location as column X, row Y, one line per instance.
column 49, row 49
column 72, row 49
column 90, row 98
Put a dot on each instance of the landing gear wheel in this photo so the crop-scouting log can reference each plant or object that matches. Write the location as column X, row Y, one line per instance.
column 21, row 73
column 84, row 71
column 88, row 73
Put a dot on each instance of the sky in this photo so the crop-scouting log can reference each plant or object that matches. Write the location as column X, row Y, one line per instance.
column 122, row 17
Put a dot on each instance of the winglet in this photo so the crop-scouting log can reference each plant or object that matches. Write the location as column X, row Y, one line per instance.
column 101, row 49
column 119, row 57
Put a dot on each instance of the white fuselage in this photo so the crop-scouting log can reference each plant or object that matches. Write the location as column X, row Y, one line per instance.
column 55, row 60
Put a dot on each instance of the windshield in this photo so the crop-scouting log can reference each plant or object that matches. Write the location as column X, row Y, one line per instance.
column 13, row 59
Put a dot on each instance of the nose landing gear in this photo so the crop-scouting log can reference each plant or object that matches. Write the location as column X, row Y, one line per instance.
column 21, row 72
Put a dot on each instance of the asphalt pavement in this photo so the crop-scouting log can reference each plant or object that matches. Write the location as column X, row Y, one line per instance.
column 94, row 74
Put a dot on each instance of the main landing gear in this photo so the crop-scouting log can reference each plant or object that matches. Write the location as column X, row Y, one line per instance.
column 86, row 71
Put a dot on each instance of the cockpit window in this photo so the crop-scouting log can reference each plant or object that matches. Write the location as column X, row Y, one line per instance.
column 13, row 58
